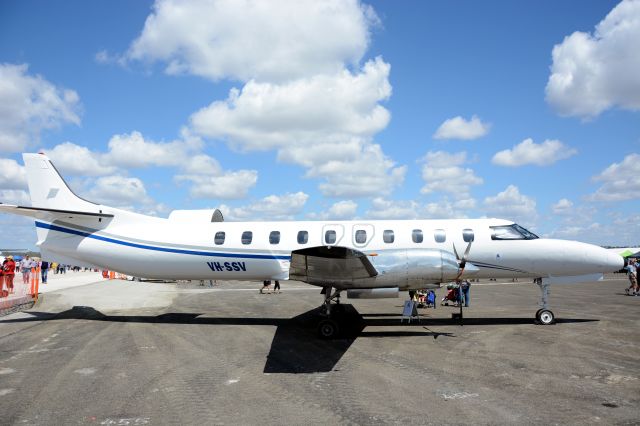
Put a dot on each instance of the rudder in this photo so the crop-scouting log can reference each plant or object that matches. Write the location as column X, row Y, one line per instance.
column 47, row 189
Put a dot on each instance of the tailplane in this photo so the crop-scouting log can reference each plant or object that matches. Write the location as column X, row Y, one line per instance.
column 48, row 189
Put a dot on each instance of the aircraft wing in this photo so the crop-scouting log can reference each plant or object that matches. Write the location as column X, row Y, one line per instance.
column 323, row 264
column 49, row 214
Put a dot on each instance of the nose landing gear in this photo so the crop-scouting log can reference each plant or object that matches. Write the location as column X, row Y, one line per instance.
column 544, row 316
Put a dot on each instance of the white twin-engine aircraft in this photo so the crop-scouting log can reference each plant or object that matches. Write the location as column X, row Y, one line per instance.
column 368, row 259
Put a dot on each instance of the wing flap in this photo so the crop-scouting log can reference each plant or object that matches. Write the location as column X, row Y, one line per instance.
column 337, row 265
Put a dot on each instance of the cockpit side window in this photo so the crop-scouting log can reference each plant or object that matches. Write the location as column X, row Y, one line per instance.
column 511, row 232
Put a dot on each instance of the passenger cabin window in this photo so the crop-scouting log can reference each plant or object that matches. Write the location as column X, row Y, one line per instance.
column 330, row 237
column 219, row 238
column 303, row 237
column 511, row 232
column 417, row 236
column 440, row 235
column 361, row 236
column 274, row 237
column 247, row 236
column 467, row 235
column 388, row 236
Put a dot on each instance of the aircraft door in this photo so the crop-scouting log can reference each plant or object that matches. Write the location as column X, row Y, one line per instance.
column 362, row 234
column 332, row 234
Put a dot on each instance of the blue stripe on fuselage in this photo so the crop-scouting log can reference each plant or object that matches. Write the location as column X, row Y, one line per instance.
column 156, row 248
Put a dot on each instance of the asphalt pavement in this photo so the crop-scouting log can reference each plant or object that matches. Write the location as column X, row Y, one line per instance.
column 130, row 353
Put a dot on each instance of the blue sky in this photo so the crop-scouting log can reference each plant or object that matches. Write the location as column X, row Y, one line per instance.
column 331, row 110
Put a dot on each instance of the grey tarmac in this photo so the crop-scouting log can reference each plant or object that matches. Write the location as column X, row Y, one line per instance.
column 131, row 353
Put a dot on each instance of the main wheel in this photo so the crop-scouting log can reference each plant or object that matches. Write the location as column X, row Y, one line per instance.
column 538, row 314
column 545, row 317
column 328, row 329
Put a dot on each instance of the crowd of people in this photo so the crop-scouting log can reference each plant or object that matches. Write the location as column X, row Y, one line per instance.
column 26, row 266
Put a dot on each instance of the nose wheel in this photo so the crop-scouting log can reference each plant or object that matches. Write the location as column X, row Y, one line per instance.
column 544, row 316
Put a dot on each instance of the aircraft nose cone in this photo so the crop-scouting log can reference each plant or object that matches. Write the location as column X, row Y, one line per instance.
column 604, row 260
column 614, row 262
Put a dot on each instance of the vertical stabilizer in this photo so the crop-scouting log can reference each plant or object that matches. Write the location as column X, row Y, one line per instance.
column 48, row 189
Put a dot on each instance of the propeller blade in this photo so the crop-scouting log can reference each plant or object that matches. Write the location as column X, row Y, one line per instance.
column 455, row 251
column 463, row 261
column 466, row 252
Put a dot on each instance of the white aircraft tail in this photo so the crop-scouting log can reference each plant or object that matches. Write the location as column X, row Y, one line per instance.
column 48, row 189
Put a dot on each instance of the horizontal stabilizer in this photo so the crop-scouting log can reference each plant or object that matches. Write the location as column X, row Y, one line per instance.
column 50, row 214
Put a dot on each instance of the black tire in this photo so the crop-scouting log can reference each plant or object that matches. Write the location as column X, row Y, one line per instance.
column 545, row 317
column 538, row 314
column 328, row 329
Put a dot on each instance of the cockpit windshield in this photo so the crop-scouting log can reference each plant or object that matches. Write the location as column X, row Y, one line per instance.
column 511, row 232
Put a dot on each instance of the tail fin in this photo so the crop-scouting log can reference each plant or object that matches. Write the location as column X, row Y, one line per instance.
column 48, row 189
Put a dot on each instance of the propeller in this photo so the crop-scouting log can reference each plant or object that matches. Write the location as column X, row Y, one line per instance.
column 462, row 261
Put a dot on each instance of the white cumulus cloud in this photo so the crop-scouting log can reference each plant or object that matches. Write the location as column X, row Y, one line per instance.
column 119, row 190
column 12, row 175
column 272, row 207
column 226, row 185
column 74, row 159
column 620, row 181
column 563, row 206
column 341, row 210
column 318, row 109
column 459, row 128
column 392, row 209
column 30, row 104
column 246, row 39
column 529, row 152
column 593, row 72
column 133, row 150
column 443, row 172
column 511, row 204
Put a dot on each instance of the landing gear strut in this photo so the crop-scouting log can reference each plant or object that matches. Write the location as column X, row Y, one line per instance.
column 328, row 327
column 544, row 316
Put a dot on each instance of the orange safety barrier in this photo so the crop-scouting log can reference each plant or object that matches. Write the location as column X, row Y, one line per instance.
column 37, row 282
column 112, row 275
column 32, row 281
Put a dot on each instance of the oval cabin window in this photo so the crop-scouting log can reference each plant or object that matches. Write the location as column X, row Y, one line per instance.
column 247, row 236
column 219, row 238
column 274, row 237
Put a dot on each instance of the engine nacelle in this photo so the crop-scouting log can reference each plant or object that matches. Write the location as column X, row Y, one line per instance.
column 415, row 268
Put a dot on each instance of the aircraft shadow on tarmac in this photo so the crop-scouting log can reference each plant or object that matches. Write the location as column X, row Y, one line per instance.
column 295, row 347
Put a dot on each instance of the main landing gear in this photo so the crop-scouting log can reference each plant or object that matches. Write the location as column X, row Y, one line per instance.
column 544, row 316
column 328, row 327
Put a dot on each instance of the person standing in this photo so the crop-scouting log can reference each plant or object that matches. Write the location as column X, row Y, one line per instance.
column 632, row 273
column 2, row 279
column 9, row 267
column 44, row 269
column 25, row 268
column 276, row 287
column 633, row 278
column 465, row 285
column 266, row 285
